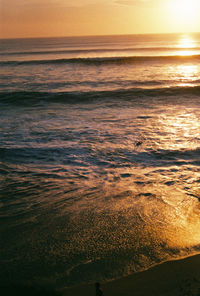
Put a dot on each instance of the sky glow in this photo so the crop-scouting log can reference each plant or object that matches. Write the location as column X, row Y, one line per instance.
column 35, row 18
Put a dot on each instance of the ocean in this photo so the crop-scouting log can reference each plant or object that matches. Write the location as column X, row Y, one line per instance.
column 99, row 156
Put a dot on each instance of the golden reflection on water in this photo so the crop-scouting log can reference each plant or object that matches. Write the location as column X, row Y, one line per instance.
column 187, row 42
column 188, row 45
column 182, row 129
column 183, row 126
column 187, row 73
column 186, row 52
column 173, row 209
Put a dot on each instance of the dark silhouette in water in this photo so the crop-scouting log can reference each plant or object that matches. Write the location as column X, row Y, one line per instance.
column 99, row 292
column 138, row 143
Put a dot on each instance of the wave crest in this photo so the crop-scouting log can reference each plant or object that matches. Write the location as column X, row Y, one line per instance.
column 104, row 60
column 29, row 97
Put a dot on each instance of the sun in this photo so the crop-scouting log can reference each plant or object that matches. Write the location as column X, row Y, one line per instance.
column 184, row 8
column 184, row 12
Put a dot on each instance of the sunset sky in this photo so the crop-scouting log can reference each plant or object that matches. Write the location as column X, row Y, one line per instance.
column 35, row 18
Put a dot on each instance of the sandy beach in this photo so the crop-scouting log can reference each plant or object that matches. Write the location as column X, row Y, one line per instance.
column 179, row 277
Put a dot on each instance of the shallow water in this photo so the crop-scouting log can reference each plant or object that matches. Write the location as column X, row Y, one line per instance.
column 99, row 156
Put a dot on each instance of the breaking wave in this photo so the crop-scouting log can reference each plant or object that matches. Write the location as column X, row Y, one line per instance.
column 95, row 50
column 105, row 60
column 29, row 97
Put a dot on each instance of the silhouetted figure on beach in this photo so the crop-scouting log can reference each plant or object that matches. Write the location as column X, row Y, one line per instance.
column 99, row 292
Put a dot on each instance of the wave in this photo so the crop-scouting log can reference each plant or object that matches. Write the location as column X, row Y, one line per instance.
column 154, row 158
column 29, row 97
column 105, row 60
column 97, row 50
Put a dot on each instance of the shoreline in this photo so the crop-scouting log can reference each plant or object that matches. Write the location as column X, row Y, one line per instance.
column 171, row 278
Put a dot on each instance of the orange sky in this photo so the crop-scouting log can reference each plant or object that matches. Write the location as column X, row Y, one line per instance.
column 35, row 18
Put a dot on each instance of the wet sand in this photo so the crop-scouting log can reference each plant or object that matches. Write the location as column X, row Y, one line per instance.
column 173, row 278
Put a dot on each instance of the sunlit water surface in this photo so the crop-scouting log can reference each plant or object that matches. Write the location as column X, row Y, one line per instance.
column 99, row 159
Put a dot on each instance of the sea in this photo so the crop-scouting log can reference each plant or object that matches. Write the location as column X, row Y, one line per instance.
column 99, row 156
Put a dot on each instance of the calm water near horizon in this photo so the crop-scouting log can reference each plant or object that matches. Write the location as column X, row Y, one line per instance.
column 99, row 156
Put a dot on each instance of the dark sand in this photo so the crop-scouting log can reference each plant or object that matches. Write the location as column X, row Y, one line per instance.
column 173, row 278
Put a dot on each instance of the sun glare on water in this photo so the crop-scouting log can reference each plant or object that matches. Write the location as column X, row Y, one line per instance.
column 187, row 46
column 187, row 42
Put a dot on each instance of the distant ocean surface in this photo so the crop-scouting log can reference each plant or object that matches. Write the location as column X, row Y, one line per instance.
column 99, row 156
